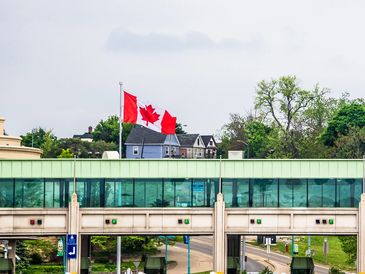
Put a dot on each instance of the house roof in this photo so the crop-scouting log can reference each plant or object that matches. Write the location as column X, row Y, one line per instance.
column 86, row 135
column 140, row 134
column 206, row 139
column 187, row 140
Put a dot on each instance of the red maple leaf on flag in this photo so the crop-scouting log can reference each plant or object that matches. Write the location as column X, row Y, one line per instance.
column 148, row 114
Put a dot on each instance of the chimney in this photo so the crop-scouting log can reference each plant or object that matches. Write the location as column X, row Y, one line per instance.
column 90, row 129
column 2, row 130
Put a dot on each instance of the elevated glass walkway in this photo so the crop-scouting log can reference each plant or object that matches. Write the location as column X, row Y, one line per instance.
column 176, row 192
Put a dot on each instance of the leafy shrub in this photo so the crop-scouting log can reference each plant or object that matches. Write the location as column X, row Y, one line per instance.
column 36, row 258
column 266, row 270
column 334, row 270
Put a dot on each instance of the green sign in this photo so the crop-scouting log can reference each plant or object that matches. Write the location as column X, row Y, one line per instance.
column 60, row 248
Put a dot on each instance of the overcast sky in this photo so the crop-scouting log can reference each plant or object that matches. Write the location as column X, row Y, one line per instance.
column 61, row 61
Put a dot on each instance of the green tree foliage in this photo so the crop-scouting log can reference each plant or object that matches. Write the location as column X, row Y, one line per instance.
column 261, row 138
column 43, row 139
column 108, row 131
column 349, row 246
column 349, row 115
column 82, row 149
column 283, row 102
column 334, row 270
column 179, row 129
column 66, row 153
column 22, row 253
column 130, row 244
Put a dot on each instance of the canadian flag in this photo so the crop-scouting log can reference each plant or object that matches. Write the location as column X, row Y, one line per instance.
column 136, row 112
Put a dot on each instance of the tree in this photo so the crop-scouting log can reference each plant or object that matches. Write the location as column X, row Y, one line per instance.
column 262, row 139
column 349, row 115
column 351, row 145
column 233, row 135
column 35, row 138
column 179, row 129
column 349, row 246
column 283, row 102
column 21, row 252
column 107, row 130
column 82, row 149
column 66, row 153
column 43, row 139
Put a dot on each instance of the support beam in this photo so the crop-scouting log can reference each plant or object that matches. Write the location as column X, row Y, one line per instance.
column 73, row 265
column 361, row 237
column 12, row 252
column 85, row 260
column 219, row 235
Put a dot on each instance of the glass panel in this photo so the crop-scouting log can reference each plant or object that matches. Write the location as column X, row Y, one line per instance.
column 212, row 194
column 264, row 193
column 169, row 193
column 81, row 192
column 125, row 188
column 48, row 194
column 6, row 193
column 183, row 193
column 292, row 193
column 321, row 192
column 243, row 190
column 358, row 191
column 29, row 193
column 227, row 190
column 200, row 192
column 154, row 193
column 110, row 193
column 95, row 194
column 139, row 193
column 348, row 192
column 345, row 192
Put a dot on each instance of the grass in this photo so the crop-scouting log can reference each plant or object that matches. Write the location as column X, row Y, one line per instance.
column 336, row 257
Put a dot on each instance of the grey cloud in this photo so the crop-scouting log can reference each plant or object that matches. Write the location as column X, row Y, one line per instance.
column 126, row 40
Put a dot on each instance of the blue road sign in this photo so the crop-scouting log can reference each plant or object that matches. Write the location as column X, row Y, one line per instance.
column 71, row 251
column 71, row 239
column 71, row 246
column 186, row 239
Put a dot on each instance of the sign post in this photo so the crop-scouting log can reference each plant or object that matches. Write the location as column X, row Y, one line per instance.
column 268, row 244
column 187, row 241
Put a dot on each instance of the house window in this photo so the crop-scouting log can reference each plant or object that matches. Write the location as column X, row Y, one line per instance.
column 210, row 142
column 198, row 142
column 135, row 150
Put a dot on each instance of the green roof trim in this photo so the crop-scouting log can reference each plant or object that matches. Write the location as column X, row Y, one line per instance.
column 181, row 168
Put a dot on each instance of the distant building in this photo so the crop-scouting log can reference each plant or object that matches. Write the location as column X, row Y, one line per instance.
column 11, row 148
column 191, row 146
column 210, row 146
column 149, row 144
column 87, row 136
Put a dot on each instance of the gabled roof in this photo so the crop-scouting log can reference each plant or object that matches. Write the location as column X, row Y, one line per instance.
column 140, row 134
column 86, row 135
column 206, row 139
column 187, row 140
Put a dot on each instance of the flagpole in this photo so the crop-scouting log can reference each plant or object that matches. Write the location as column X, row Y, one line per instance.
column 120, row 119
column 119, row 238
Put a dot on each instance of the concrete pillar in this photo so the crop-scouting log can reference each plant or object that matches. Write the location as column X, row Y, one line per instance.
column 219, row 235
column 361, row 237
column 73, row 265
column 12, row 252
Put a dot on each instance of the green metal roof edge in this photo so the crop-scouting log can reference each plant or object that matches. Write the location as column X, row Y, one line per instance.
column 182, row 168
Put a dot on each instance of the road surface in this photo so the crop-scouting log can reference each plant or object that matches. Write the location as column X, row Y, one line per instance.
column 205, row 245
